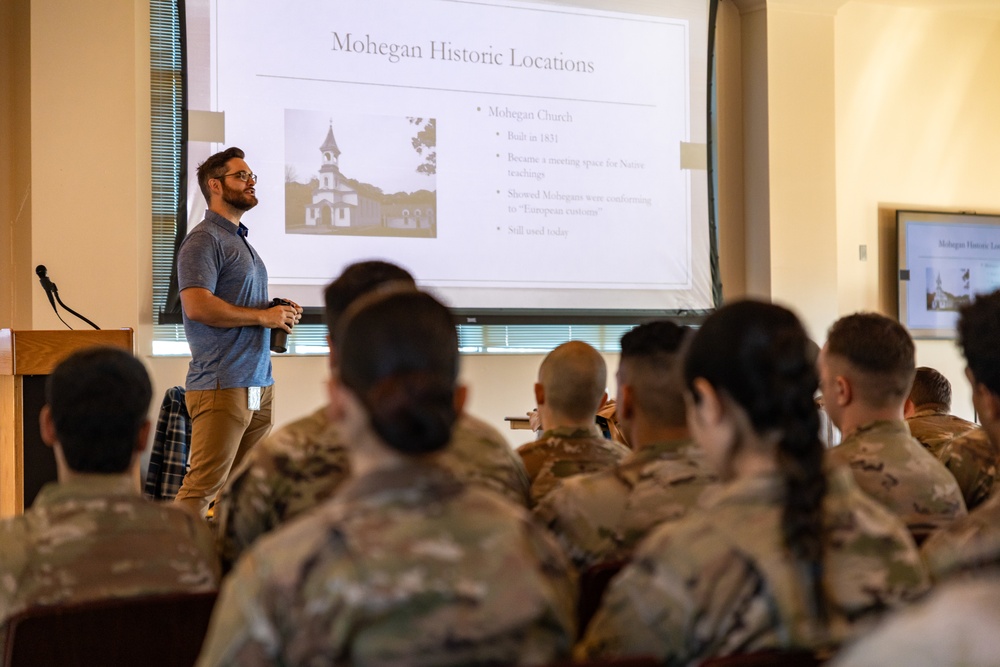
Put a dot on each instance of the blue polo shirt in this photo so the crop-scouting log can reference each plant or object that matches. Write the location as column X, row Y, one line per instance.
column 217, row 256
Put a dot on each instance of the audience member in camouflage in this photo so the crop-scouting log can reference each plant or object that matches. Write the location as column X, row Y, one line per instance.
column 892, row 467
column 972, row 459
column 400, row 564
column 570, row 390
column 957, row 624
column 566, row 451
column 785, row 555
column 721, row 581
column 935, row 429
column 866, row 373
column 91, row 535
column 406, row 564
column 602, row 516
column 928, row 411
column 292, row 471
column 305, row 462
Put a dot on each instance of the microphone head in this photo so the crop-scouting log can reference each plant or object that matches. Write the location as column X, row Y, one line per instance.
column 41, row 271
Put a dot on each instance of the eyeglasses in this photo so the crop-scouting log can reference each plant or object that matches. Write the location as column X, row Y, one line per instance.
column 245, row 176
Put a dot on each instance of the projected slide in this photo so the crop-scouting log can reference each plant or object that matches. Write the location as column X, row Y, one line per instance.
column 509, row 154
column 948, row 263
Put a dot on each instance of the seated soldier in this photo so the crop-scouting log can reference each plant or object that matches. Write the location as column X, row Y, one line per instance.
column 91, row 535
column 602, row 516
column 974, row 542
column 784, row 555
column 406, row 564
column 928, row 411
column 305, row 462
column 956, row 625
column 570, row 390
column 866, row 370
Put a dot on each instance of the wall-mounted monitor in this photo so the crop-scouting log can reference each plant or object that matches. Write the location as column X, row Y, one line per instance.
column 945, row 260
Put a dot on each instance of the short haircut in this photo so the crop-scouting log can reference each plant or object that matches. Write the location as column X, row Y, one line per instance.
column 978, row 324
column 357, row 280
column 215, row 167
column 930, row 389
column 575, row 377
column 99, row 399
column 650, row 364
column 881, row 352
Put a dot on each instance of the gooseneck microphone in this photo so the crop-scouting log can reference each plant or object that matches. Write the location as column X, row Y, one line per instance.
column 43, row 278
column 52, row 292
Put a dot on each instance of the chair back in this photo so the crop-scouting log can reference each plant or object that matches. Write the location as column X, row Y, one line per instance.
column 769, row 658
column 593, row 582
column 149, row 631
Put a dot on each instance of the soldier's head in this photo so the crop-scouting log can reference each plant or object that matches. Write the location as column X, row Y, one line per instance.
column 930, row 391
column 571, row 385
column 96, row 405
column 649, row 378
column 398, row 371
column 866, row 369
column 978, row 325
column 357, row 280
column 750, row 375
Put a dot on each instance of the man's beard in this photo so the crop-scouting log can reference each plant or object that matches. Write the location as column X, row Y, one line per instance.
column 238, row 199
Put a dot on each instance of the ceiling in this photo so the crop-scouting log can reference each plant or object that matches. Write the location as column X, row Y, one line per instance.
column 989, row 7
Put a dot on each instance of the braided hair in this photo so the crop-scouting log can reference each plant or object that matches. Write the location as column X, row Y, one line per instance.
column 398, row 353
column 759, row 355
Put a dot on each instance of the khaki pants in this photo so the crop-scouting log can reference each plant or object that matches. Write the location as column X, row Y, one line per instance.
column 223, row 430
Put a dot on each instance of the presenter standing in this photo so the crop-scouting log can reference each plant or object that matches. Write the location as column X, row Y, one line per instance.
column 223, row 289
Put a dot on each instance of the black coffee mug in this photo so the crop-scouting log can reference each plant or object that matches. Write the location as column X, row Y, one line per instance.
column 279, row 337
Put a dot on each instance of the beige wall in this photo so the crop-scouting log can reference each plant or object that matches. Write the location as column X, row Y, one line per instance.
column 837, row 115
column 918, row 126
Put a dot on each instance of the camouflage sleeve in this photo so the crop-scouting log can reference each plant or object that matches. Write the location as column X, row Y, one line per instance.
column 973, row 463
column 13, row 561
column 561, row 594
column 241, row 632
column 565, row 512
column 247, row 506
column 685, row 596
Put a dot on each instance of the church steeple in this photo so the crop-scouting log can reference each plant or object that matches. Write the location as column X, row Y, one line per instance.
column 329, row 147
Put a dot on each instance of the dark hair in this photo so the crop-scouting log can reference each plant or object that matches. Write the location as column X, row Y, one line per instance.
column 357, row 280
column 99, row 399
column 759, row 355
column 881, row 350
column 650, row 362
column 215, row 167
column 978, row 324
column 930, row 388
column 398, row 353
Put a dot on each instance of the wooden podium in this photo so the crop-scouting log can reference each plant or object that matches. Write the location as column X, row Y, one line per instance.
column 26, row 357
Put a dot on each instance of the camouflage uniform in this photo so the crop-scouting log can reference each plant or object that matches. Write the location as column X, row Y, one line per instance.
column 95, row 537
column 894, row 469
column 972, row 459
column 969, row 544
column 936, row 428
column 956, row 625
column 404, row 566
column 721, row 581
column 567, row 451
column 602, row 516
column 305, row 462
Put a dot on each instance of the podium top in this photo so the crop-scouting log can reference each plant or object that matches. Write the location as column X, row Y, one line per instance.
column 39, row 352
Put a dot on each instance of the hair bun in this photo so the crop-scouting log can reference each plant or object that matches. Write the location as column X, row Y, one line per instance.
column 413, row 413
